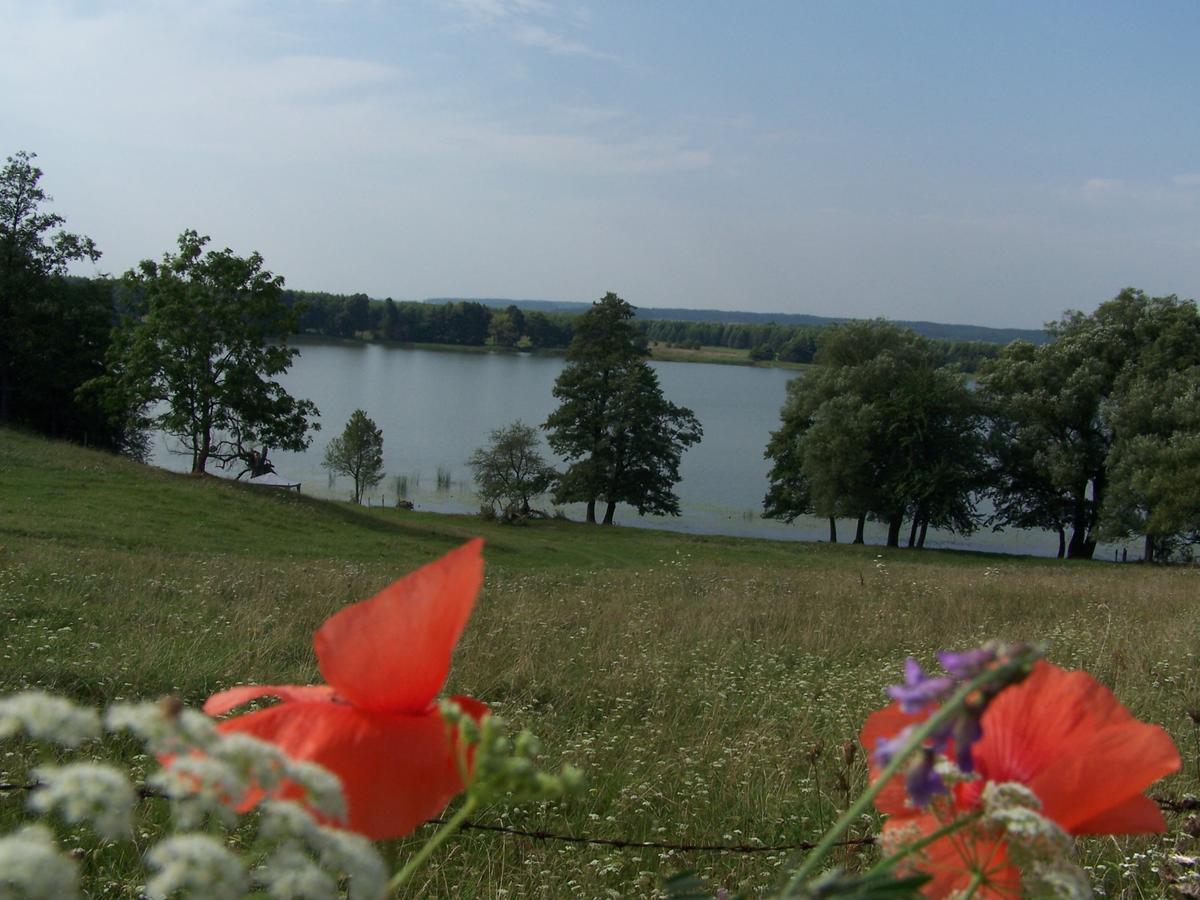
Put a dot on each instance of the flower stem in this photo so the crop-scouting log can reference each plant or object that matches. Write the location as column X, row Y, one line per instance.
column 432, row 844
column 973, row 886
column 920, row 734
column 916, row 846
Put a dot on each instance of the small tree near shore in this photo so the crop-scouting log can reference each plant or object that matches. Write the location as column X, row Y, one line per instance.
column 510, row 471
column 357, row 452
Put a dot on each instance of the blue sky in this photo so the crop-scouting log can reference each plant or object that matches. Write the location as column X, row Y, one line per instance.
column 991, row 163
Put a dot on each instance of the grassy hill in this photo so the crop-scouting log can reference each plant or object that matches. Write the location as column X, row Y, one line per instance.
column 705, row 684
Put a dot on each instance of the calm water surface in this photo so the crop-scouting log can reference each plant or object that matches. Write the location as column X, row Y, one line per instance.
column 436, row 407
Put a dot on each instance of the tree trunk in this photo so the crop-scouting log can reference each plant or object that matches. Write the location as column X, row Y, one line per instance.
column 608, row 512
column 591, row 511
column 912, row 532
column 921, row 537
column 1062, row 542
column 1148, row 549
column 858, row 531
column 894, row 526
column 1080, row 547
column 832, row 530
column 200, row 454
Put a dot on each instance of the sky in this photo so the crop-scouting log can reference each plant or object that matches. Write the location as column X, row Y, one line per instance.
column 991, row 163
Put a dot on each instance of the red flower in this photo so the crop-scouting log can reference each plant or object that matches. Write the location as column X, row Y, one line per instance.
column 1065, row 737
column 376, row 725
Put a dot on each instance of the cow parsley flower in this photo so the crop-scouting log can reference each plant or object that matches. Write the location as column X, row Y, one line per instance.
column 256, row 761
column 90, row 792
column 322, row 789
column 353, row 854
column 290, row 874
column 199, row 786
column 44, row 717
column 32, row 867
column 195, row 865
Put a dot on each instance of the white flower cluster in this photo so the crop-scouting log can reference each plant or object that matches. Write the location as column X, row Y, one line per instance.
column 1038, row 846
column 89, row 793
column 195, row 865
column 44, row 717
column 163, row 729
column 297, row 838
column 32, row 867
column 200, row 787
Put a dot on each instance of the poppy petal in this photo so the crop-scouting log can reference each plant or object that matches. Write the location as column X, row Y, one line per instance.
column 952, row 860
column 392, row 652
column 226, row 701
column 397, row 771
column 1072, row 742
column 1137, row 815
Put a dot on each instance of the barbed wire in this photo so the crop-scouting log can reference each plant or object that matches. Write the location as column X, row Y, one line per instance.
column 1187, row 803
column 543, row 835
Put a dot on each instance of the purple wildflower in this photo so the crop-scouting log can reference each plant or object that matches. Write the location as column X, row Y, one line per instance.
column 967, row 730
column 887, row 748
column 966, row 665
column 918, row 690
column 922, row 781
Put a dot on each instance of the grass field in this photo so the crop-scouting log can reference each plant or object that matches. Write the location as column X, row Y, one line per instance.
column 732, row 356
column 704, row 684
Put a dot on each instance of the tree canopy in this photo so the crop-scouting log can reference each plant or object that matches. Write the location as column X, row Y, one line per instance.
column 622, row 439
column 510, row 471
column 876, row 429
column 204, row 339
column 358, row 453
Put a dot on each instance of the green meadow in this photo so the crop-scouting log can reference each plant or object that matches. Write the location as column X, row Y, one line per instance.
column 705, row 685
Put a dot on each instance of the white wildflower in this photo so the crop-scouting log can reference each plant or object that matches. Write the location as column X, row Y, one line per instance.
column 161, row 728
column 257, row 762
column 91, row 792
column 200, row 786
column 45, row 717
column 322, row 789
column 1008, row 795
column 284, row 820
column 290, row 874
column 32, row 867
column 195, row 865
column 1060, row 880
column 352, row 854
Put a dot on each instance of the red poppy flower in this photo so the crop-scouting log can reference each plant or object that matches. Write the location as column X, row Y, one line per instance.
column 1065, row 737
column 376, row 725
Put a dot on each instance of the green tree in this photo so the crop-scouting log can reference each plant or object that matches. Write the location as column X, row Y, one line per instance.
column 206, row 336
column 1064, row 413
column 877, row 430
column 623, row 440
column 357, row 452
column 510, row 471
column 34, row 251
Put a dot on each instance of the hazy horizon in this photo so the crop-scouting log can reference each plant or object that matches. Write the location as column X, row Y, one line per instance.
column 991, row 164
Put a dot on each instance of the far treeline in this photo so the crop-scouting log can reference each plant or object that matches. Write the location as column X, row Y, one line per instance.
column 468, row 323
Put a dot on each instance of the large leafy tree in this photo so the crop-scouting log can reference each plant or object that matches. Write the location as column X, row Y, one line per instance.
column 622, row 439
column 1064, row 414
column 510, row 471
column 202, row 346
column 34, row 253
column 358, row 453
column 877, row 430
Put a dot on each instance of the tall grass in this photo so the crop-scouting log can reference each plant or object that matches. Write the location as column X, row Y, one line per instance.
column 443, row 479
column 706, row 686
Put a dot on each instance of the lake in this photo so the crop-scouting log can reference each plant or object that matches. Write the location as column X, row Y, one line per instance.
column 436, row 407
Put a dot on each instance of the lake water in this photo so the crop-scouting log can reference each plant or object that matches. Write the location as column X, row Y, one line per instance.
column 436, row 407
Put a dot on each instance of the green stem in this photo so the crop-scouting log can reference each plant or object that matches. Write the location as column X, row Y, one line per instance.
column 973, row 886
column 920, row 734
column 917, row 846
column 432, row 844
